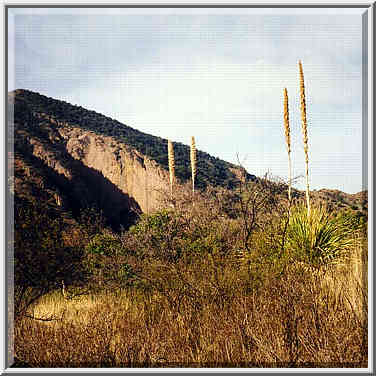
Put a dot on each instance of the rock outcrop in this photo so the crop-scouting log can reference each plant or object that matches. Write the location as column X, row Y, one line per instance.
column 131, row 172
column 92, row 168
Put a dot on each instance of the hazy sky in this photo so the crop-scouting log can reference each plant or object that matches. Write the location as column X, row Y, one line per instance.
column 217, row 74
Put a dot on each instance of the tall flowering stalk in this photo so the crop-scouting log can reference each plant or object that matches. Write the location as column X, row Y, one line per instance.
column 287, row 135
column 171, row 164
column 193, row 163
column 304, row 129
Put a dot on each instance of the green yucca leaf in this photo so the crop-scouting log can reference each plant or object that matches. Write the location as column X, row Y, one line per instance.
column 320, row 238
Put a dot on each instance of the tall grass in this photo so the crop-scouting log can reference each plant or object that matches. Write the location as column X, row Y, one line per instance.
column 196, row 321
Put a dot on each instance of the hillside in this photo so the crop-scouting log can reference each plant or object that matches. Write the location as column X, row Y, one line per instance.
column 38, row 110
column 78, row 159
column 357, row 201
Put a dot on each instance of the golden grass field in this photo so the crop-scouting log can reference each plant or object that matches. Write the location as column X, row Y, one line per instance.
column 301, row 319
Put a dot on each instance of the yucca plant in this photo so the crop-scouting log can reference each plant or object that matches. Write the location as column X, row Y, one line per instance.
column 171, row 165
column 303, row 110
column 319, row 237
column 193, row 163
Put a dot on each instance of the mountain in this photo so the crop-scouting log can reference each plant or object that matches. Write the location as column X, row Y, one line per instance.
column 73, row 159
column 76, row 158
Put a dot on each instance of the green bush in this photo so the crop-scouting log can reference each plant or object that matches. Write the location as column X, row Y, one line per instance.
column 157, row 235
column 104, row 244
column 157, row 223
column 106, row 261
column 169, row 235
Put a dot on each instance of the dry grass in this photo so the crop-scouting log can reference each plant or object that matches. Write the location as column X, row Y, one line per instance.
column 206, row 314
column 348, row 282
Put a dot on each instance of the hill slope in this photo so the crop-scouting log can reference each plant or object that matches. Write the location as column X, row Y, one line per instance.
column 210, row 170
column 83, row 159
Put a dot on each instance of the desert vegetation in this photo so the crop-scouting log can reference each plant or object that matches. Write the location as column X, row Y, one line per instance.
column 201, row 286
column 253, row 276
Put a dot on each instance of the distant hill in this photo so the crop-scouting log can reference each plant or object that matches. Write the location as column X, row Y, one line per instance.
column 357, row 201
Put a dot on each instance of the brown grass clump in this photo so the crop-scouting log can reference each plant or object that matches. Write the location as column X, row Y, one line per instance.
column 171, row 164
column 193, row 162
column 304, row 129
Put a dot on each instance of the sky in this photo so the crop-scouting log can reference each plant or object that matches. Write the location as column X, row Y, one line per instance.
column 216, row 74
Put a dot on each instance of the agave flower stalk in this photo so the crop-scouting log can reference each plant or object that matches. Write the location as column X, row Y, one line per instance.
column 287, row 135
column 171, row 165
column 303, row 110
column 193, row 163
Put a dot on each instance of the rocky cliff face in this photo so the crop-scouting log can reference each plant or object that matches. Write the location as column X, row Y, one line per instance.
column 131, row 172
column 90, row 168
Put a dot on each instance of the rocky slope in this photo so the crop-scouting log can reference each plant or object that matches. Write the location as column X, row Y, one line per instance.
column 86, row 165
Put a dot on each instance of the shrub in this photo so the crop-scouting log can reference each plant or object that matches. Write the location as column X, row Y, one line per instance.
column 157, row 235
column 104, row 244
column 106, row 261
column 190, row 229
column 320, row 238
column 42, row 259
